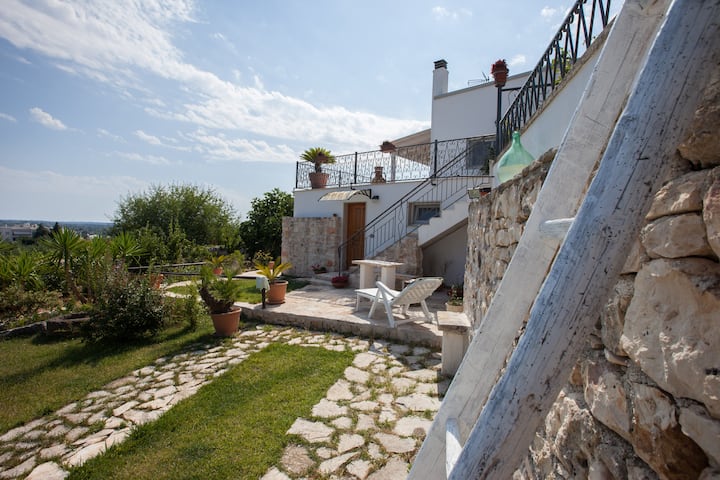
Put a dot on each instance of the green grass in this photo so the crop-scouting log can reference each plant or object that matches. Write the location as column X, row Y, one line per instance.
column 233, row 427
column 39, row 376
column 248, row 294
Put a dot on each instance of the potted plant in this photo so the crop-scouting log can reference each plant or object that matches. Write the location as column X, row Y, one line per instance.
column 455, row 299
column 278, row 287
column 340, row 281
column 217, row 262
column 318, row 156
column 219, row 295
column 499, row 71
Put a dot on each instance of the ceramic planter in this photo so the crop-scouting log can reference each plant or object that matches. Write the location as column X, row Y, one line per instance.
column 226, row 324
column 276, row 294
column 318, row 179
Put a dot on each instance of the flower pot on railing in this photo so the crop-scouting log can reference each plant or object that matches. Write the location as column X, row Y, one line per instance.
column 499, row 71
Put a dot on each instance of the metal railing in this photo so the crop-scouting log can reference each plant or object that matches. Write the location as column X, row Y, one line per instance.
column 467, row 169
column 573, row 38
column 414, row 162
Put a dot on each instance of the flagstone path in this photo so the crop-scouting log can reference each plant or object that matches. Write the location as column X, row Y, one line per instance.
column 369, row 425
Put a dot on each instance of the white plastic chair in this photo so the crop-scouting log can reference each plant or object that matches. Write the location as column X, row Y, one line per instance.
column 415, row 292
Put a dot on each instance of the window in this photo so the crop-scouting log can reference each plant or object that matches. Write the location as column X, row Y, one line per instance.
column 421, row 213
column 479, row 155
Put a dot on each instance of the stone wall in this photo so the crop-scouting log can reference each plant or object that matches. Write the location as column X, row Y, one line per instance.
column 643, row 401
column 311, row 241
column 406, row 251
column 495, row 224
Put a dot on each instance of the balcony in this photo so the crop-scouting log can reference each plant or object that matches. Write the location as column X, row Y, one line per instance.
column 470, row 157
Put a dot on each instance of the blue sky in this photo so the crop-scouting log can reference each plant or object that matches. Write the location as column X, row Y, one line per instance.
column 103, row 98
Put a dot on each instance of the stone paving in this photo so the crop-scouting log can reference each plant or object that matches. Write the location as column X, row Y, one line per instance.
column 369, row 425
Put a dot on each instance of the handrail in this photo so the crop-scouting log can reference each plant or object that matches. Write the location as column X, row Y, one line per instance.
column 412, row 162
column 449, row 184
column 563, row 52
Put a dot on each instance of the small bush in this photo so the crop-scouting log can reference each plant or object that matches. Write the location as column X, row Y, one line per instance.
column 183, row 309
column 19, row 306
column 127, row 309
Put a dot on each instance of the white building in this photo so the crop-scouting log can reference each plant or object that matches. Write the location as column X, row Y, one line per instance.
column 415, row 211
column 11, row 233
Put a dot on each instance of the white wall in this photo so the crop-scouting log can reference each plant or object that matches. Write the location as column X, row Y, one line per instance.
column 470, row 112
column 548, row 130
column 446, row 257
column 307, row 204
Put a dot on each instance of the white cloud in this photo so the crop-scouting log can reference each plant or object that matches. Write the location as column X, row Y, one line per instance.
column 441, row 13
column 517, row 60
column 548, row 12
column 116, row 42
column 7, row 117
column 151, row 139
column 221, row 147
column 46, row 120
column 150, row 159
column 104, row 133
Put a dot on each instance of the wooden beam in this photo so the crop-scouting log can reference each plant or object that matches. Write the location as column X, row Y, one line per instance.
column 452, row 445
column 557, row 228
column 590, row 260
column 624, row 51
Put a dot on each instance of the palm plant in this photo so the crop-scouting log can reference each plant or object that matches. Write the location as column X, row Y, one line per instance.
column 273, row 270
column 125, row 246
column 318, row 156
column 64, row 246
column 219, row 294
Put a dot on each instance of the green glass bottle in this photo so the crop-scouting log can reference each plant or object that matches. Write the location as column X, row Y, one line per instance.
column 514, row 160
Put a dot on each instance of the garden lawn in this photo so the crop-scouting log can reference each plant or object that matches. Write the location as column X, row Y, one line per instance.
column 248, row 294
column 234, row 427
column 39, row 376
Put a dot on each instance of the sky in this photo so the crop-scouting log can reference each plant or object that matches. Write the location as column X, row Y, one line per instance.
column 101, row 99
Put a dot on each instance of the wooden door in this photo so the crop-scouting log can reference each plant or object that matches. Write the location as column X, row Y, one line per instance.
column 354, row 224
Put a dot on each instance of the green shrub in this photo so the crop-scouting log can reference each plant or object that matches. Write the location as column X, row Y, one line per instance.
column 19, row 306
column 127, row 309
column 188, row 309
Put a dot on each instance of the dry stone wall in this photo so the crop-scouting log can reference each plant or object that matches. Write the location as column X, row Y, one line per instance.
column 311, row 241
column 643, row 401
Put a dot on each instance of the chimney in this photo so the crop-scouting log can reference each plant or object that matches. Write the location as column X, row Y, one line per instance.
column 440, row 78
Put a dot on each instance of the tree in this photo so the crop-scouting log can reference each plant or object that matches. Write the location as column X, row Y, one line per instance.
column 262, row 231
column 199, row 214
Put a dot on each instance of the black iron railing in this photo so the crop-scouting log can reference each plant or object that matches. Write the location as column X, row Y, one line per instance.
column 415, row 162
column 573, row 38
column 467, row 169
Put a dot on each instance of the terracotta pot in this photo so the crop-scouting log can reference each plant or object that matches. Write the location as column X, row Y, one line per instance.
column 500, row 77
column 340, row 283
column 226, row 324
column 218, row 270
column 276, row 294
column 318, row 179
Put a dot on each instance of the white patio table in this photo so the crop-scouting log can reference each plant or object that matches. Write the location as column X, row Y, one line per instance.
column 367, row 268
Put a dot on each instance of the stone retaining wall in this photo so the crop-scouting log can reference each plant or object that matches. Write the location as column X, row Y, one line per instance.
column 644, row 399
column 311, row 241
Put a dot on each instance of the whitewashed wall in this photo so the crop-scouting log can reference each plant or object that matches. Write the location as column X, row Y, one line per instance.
column 307, row 202
column 470, row 112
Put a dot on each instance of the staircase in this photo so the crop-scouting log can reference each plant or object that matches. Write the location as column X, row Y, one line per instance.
column 448, row 221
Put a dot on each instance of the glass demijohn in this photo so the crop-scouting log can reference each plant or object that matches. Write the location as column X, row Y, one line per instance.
column 513, row 160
